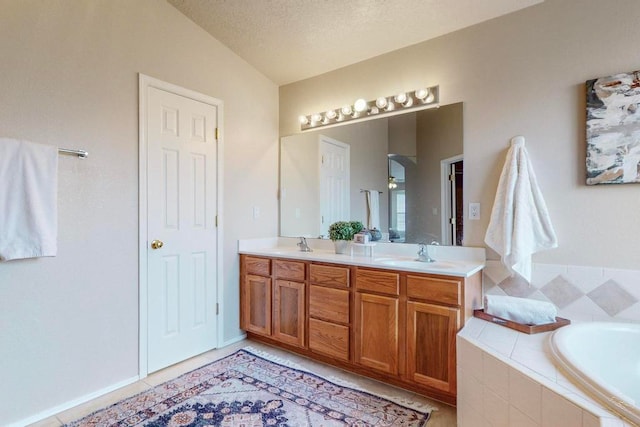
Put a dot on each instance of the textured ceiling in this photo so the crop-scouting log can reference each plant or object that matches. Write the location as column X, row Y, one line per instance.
column 290, row 40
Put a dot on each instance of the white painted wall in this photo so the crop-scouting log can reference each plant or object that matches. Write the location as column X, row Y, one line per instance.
column 522, row 73
column 68, row 77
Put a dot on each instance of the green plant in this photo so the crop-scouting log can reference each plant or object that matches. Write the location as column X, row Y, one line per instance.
column 344, row 230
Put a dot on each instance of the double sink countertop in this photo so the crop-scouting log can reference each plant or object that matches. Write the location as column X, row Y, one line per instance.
column 449, row 260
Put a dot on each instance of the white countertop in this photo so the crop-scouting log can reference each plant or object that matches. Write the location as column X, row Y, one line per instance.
column 450, row 260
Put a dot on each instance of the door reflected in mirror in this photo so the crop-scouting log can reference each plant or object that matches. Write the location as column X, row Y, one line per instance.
column 407, row 159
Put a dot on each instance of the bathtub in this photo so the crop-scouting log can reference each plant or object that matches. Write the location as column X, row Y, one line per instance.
column 604, row 359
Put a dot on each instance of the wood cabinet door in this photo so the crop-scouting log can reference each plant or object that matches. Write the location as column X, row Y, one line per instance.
column 376, row 332
column 289, row 312
column 431, row 345
column 256, row 304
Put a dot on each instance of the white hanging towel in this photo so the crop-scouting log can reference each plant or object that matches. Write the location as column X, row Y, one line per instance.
column 373, row 209
column 520, row 225
column 28, row 199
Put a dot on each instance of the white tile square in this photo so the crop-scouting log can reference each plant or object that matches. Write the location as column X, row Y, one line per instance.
column 496, row 409
column 628, row 279
column 541, row 274
column 469, row 392
column 469, row 358
column 496, row 376
column 631, row 314
column 535, row 360
column 558, row 411
column 533, row 341
column 495, row 271
column 473, row 328
column 498, row 337
column 518, row 419
column 586, row 278
column 525, row 395
column 494, row 290
column 583, row 309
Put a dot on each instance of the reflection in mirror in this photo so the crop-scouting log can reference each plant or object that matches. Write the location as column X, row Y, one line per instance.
column 406, row 159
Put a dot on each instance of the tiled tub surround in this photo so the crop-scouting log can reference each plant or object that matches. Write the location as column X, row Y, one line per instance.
column 508, row 378
column 580, row 293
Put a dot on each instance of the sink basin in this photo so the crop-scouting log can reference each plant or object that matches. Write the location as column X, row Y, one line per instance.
column 413, row 263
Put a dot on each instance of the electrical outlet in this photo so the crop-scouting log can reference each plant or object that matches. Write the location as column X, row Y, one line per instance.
column 474, row 211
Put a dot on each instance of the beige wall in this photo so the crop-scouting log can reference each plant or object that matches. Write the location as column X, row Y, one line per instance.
column 69, row 77
column 522, row 73
column 439, row 137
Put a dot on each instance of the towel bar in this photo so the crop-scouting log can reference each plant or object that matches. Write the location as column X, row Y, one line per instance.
column 80, row 153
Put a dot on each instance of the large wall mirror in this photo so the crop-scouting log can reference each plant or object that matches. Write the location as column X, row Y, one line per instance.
column 401, row 174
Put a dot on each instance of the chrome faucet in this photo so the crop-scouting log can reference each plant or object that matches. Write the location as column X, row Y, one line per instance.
column 423, row 253
column 303, row 245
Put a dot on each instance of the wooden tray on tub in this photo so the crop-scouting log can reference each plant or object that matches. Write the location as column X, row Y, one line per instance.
column 527, row 329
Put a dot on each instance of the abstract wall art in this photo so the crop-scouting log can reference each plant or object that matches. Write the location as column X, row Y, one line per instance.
column 613, row 129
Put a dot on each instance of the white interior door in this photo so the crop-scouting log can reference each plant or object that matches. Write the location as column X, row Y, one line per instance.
column 181, row 228
column 334, row 182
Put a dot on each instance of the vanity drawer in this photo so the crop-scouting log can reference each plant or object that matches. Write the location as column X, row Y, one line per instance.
column 378, row 281
column 292, row 270
column 329, row 339
column 445, row 291
column 329, row 275
column 329, row 304
column 257, row 266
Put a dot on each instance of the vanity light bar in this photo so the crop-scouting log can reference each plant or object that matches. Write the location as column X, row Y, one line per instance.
column 419, row 99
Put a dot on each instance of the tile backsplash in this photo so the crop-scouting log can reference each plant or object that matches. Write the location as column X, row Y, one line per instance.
column 580, row 293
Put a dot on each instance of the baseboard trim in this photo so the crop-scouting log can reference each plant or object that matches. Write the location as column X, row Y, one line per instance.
column 72, row 403
column 233, row 340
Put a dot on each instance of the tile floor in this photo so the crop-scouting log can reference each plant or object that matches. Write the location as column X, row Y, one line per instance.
column 443, row 416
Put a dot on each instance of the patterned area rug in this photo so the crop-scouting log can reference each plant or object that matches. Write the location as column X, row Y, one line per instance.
column 246, row 390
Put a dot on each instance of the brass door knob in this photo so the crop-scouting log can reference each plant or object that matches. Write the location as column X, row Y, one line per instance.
column 156, row 244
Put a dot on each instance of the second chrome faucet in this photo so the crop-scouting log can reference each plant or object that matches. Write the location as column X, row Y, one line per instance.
column 423, row 252
column 303, row 245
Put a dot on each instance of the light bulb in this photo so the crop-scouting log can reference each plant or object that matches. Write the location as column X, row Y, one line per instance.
column 400, row 98
column 346, row 110
column 429, row 99
column 303, row 120
column 360, row 105
column 331, row 114
column 374, row 110
column 421, row 94
column 381, row 102
column 316, row 117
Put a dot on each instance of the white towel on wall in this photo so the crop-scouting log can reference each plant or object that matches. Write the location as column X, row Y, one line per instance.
column 28, row 199
column 373, row 209
column 520, row 225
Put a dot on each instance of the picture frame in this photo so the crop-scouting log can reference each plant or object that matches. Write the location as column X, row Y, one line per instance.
column 613, row 129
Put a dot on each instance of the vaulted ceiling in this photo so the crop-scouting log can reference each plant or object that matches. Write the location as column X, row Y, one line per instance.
column 291, row 40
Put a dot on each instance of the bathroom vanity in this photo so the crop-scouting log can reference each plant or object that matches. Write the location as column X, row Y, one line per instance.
column 387, row 317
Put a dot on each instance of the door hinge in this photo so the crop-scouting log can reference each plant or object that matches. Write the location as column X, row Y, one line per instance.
column 217, row 134
column 217, row 309
column 216, row 220
column 452, row 221
column 452, row 177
